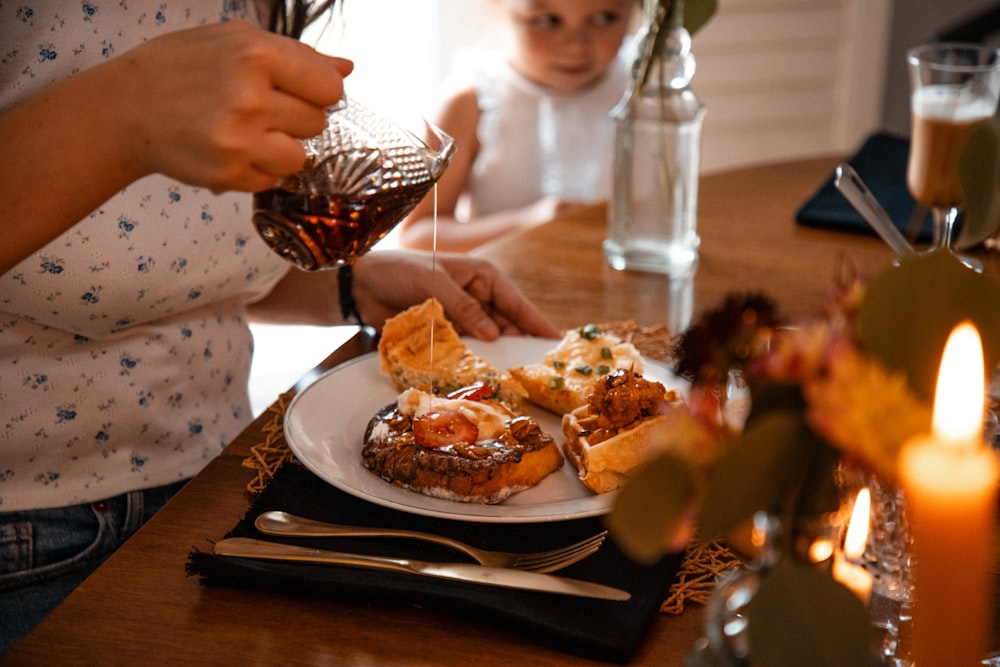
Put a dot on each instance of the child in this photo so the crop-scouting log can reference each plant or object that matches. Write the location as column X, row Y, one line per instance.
column 531, row 125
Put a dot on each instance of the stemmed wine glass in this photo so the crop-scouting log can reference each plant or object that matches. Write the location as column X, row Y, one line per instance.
column 953, row 87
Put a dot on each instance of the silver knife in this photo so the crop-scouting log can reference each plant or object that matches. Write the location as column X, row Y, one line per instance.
column 489, row 576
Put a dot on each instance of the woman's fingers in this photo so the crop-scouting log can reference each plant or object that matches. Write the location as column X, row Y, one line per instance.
column 292, row 116
column 309, row 75
column 223, row 106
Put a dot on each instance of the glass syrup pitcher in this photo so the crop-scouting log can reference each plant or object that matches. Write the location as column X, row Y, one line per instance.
column 363, row 174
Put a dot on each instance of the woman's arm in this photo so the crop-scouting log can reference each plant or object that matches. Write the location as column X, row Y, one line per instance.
column 218, row 106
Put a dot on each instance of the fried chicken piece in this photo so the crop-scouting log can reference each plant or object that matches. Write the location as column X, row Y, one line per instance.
column 622, row 399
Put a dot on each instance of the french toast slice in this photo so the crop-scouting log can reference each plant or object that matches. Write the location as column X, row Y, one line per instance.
column 410, row 359
column 507, row 453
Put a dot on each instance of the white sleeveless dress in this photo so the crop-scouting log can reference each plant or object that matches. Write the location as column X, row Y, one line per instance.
column 534, row 142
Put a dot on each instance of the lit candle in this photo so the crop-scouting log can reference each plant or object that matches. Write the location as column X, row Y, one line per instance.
column 846, row 569
column 950, row 482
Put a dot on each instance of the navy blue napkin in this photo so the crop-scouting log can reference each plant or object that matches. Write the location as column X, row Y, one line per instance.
column 597, row 629
column 881, row 164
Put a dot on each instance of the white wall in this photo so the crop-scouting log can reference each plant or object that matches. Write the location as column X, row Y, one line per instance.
column 401, row 48
column 786, row 79
column 914, row 21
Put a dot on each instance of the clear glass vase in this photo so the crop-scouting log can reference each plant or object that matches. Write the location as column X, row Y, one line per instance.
column 788, row 587
column 726, row 642
column 652, row 214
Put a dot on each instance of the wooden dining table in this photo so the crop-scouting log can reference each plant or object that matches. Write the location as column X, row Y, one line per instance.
column 141, row 608
column 749, row 243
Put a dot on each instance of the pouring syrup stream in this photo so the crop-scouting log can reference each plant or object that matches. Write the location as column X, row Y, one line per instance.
column 433, row 279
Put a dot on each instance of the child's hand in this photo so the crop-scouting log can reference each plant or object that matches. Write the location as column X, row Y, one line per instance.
column 222, row 106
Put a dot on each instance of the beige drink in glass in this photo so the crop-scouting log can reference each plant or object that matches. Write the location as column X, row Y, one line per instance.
column 954, row 86
column 941, row 120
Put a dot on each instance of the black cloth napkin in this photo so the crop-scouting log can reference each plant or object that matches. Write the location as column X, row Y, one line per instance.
column 597, row 629
column 881, row 164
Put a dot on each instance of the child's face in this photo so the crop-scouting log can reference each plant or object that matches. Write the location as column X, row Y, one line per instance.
column 567, row 44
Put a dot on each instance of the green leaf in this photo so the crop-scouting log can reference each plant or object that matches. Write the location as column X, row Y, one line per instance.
column 768, row 396
column 697, row 13
column 910, row 309
column 801, row 616
column 650, row 506
column 820, row 493
column 979, row 174
column 755, row 472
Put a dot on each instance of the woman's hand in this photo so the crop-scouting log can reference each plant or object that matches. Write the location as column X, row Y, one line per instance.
column 222, row 106
column 476, row 297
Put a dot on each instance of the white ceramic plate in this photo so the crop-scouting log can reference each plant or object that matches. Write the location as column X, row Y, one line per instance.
column 325, row 425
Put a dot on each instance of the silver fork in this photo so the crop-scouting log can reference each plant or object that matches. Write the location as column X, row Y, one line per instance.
column 282, row 523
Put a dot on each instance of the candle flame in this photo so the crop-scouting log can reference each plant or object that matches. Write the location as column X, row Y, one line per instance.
column 820, row 550
column 961, row 386
column 857, row 529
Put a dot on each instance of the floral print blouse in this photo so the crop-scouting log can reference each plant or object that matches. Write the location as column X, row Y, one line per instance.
column 124, row 346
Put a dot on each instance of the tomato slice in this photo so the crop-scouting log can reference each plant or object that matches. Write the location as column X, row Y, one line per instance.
column 442, row 428
column 474, row 392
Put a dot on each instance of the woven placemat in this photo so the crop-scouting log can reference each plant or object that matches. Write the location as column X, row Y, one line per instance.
column 704, row 562
column 267, row 456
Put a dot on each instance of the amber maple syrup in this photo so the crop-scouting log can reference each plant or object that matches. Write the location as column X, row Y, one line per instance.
column 434, row 239
column 322, row 231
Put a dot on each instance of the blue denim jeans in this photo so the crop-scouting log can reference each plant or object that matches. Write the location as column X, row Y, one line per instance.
column 45, row 554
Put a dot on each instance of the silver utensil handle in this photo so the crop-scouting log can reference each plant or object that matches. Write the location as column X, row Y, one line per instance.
column 244, row 547
column 857, row 193
column 290, row 525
